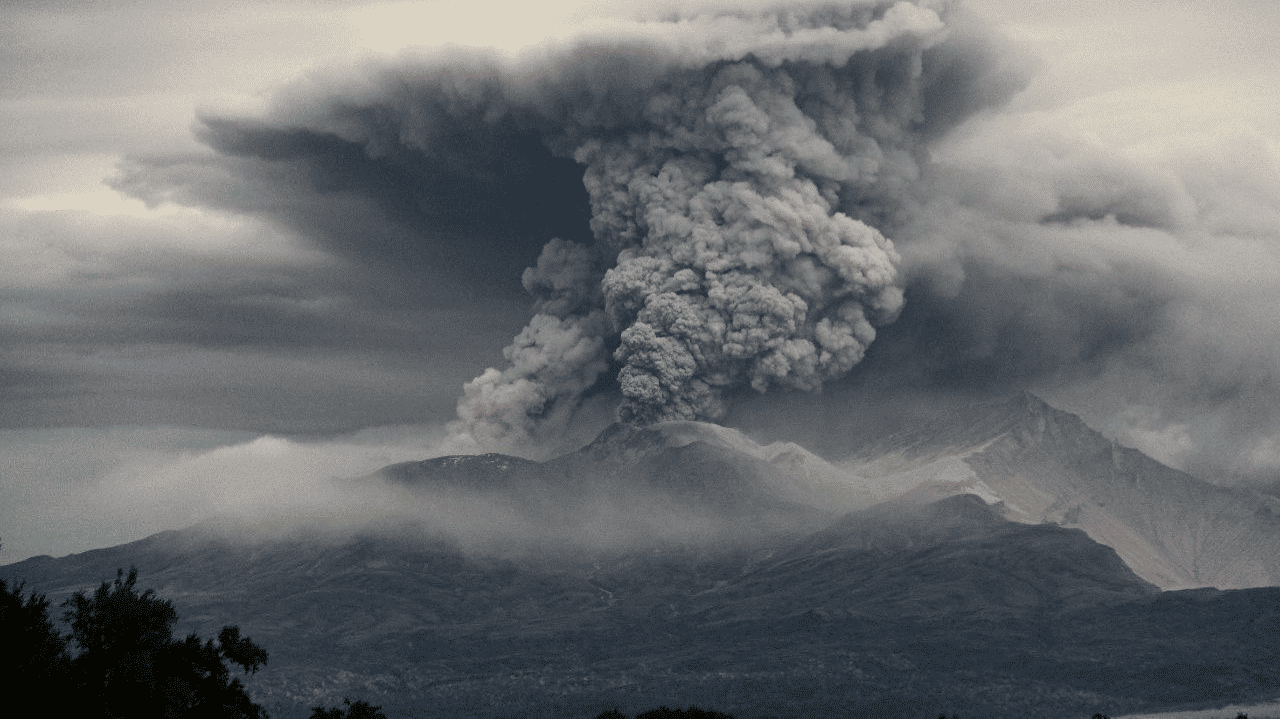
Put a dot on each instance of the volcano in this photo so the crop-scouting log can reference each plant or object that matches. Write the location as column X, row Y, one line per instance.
column 1002, row 560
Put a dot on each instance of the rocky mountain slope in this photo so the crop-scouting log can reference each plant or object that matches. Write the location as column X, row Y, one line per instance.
column 1039, row 464
column 1045, row 465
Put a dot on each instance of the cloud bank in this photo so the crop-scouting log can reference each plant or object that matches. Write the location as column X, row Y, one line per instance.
column 73, row 489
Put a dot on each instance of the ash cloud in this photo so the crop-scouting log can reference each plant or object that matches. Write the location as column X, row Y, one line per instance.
column 736, row 165
column 1132, row 282
column 724, row 201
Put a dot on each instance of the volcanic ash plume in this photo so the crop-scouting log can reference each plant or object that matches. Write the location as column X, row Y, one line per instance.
column 724, row 180
column 732, row 267
column 553, row 360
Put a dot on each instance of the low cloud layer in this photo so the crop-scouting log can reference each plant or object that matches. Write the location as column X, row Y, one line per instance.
column 71, row 490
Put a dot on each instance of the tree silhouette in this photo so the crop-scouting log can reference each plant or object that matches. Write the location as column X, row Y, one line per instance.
column 119, row 636
column 200, row 683
column 127, row 663
column 34, row 650
column 357, row 709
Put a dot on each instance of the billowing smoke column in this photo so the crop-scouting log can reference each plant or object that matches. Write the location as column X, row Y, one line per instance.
column 560, row 354
column 727, row 160
column 732, row 266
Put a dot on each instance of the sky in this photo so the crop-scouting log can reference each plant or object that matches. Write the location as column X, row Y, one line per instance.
column 253, row 247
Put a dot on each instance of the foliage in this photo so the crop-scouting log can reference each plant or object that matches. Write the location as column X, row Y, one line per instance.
column 127, row 661
column 357, row 709
column 201, row 682
column 25, row 624
column 121, row 658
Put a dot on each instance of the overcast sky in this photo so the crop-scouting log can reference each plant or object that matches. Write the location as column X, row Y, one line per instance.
column 199, row 315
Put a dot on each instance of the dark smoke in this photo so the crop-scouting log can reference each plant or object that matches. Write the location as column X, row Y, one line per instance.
column 728, row 160
column 745, row 172
column 737, row 167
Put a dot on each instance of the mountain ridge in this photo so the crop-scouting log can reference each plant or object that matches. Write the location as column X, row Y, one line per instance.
column 1047, row 465
column 1035, row 462
column 846, row 618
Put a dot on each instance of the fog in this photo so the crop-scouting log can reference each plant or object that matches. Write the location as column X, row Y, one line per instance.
column 75, row 489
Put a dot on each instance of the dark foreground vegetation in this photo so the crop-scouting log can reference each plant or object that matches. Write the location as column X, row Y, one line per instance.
column 120, row 658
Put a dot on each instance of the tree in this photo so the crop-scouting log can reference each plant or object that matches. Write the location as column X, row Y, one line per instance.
column 128, row 663
column 34, row 650
column 119, row 636
column 201, row 683
column 357, row 709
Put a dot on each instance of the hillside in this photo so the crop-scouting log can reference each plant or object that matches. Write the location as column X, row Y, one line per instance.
column 956, row 568
column 900, row 609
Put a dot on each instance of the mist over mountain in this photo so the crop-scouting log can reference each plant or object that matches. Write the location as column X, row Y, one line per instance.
column 673, row 482
column 682, row 480
column 684, row 563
